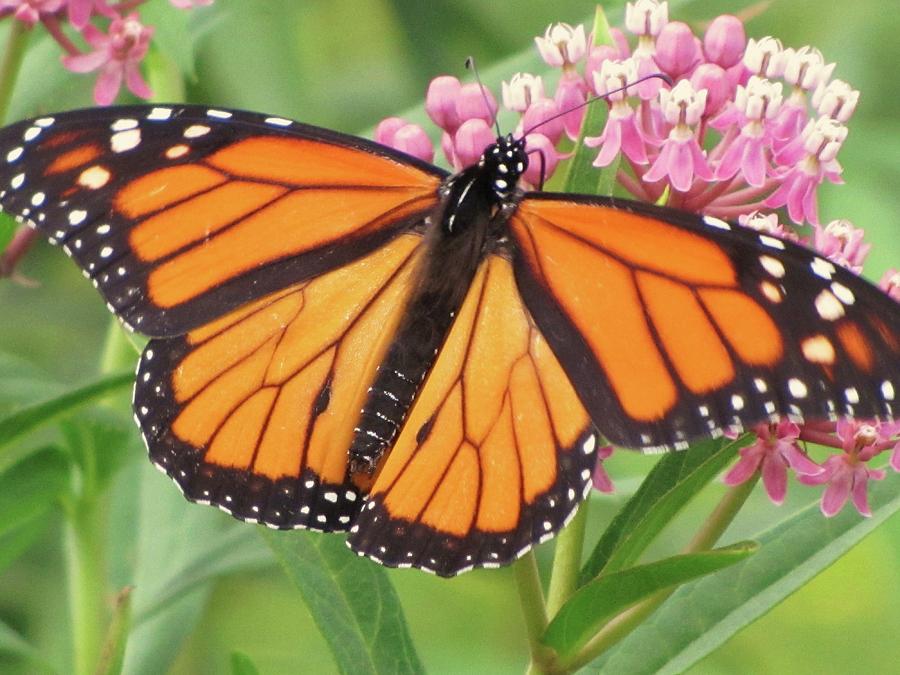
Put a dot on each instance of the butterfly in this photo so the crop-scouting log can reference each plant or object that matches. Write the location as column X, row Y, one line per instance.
column 345, row 338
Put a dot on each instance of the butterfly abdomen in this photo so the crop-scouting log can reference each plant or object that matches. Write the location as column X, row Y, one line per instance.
column 456, row 246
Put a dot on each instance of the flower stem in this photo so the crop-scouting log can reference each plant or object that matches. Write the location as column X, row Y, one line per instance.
column 11, row 63
column 567, row 561
column 531, row 597
column 85, row 554
column 718, row 521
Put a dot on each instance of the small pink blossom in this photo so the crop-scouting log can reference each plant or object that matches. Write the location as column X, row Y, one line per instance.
column 543, row 116
column 470, row 140
column 80, row 11
column 774, row 451
column 846, row 475
column 30, row 11
column 562, row 45
column 724, row 41
column 890, row 283
column 474, row 101
column 841, row 242
column 117, row 55
column 601, row 480
column 677, row 51
column 571, row 93
column 621, row 133
column 521, row 90
column 764, row 57
column 646, row 19
column 768, row 224
column 440, row 102
column 401, row 135
column 837, row 100
column 542, row 151
column 680, row 158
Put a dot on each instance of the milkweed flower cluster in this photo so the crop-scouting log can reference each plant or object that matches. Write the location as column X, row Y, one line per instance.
column 117, row 41
column 747, row 130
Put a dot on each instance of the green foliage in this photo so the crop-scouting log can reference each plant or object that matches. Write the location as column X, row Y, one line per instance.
column 352, row 601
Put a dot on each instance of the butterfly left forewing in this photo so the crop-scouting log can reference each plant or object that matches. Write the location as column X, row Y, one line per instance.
column 254, row 411
column 179, row 214
column 673, row 326
column 497, row 450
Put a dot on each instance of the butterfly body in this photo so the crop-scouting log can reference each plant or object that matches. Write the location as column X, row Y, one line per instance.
column 345, row 338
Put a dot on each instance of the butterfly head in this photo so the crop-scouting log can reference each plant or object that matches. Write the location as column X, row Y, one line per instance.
column 505, row 161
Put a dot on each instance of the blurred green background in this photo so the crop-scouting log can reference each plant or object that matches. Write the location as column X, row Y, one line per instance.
column 346, row 64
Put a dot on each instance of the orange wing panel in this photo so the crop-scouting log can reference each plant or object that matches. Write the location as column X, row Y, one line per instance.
column 746, row 325
column 165, row 187
column 304, row 162
column 853, row 340
column 72, row 159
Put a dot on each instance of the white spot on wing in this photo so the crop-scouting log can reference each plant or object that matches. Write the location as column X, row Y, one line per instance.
column 771, row 242
column 196, row 130
column 279, row 121
column 124, row 141
column 772, row 265
column 797, row 388
column 712, row 221
column 828, row 306
column 843, row 293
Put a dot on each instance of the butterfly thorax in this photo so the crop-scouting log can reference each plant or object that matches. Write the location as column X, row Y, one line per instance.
column 459, row 234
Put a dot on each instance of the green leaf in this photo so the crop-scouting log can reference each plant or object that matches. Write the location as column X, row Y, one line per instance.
column 16, row 540
column 8, row 228
column 180, row 549
column 16, row 424
column 32, row 487
column 672, row 483
column 13, row 644
column 592, row 606
column 351, row 600
column 171, row 34
column 700, row 617
column 241, row 664
column 100, row 442
column 113, row 654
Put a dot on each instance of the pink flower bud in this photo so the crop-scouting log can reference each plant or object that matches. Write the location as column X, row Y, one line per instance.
column 413, row 140
column 539, row 143
column 598, row 56
column 540, row 111
column 440, row 102
column 470, row 140
column 387, row 129
column 724, row 40
column 677, row 51
column 620, row 42
column 714, row 80
column 470, row 104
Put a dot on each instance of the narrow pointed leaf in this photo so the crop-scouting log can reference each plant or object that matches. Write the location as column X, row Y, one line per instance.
column 597, row 602
column 31, row 487
column 351, row 600
column 672, row 483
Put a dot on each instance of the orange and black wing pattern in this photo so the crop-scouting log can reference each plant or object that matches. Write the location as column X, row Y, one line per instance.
column 254, row 412
column 673, row 326
column 180, row 214
column 496, row 452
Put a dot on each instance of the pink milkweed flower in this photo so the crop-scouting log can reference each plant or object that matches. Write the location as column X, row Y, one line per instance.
column 30, row 11
column 571, row 93
column 821, row 140
column 646, row 19
column 543, row 114
column 677, row 50
column 764, row 57
column 470, row 140
column 397, row 133
column 541, row 149
column 890, row 284
column 621, row 132
column 475, row 101
column 601, row 480
column 521, row 90
column 757, row 103
column 774, row 451
column 118, row 55
column 440, row 102
column 768, row 224
column 837, row 100
column 805, row 68
column 680, row 158
column 80, row 11
column 846, row 474
column 841, row 242
column 724, row 41
column 562, row 45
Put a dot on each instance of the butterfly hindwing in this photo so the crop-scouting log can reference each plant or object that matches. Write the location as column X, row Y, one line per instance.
column 179, row 214
column 497, row 450
column 673, row 327
column 254, row 412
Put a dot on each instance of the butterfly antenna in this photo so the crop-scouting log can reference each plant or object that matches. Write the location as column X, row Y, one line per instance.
column 662, row 76
column 470, row 65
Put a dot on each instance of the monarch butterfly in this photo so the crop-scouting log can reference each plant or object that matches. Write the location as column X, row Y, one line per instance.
column 345, row 338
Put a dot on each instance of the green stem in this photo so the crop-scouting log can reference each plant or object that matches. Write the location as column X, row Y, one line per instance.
column 567, row 561
column 531, row 597
column 627, row 621
column 11, row 63
column 85, row 553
